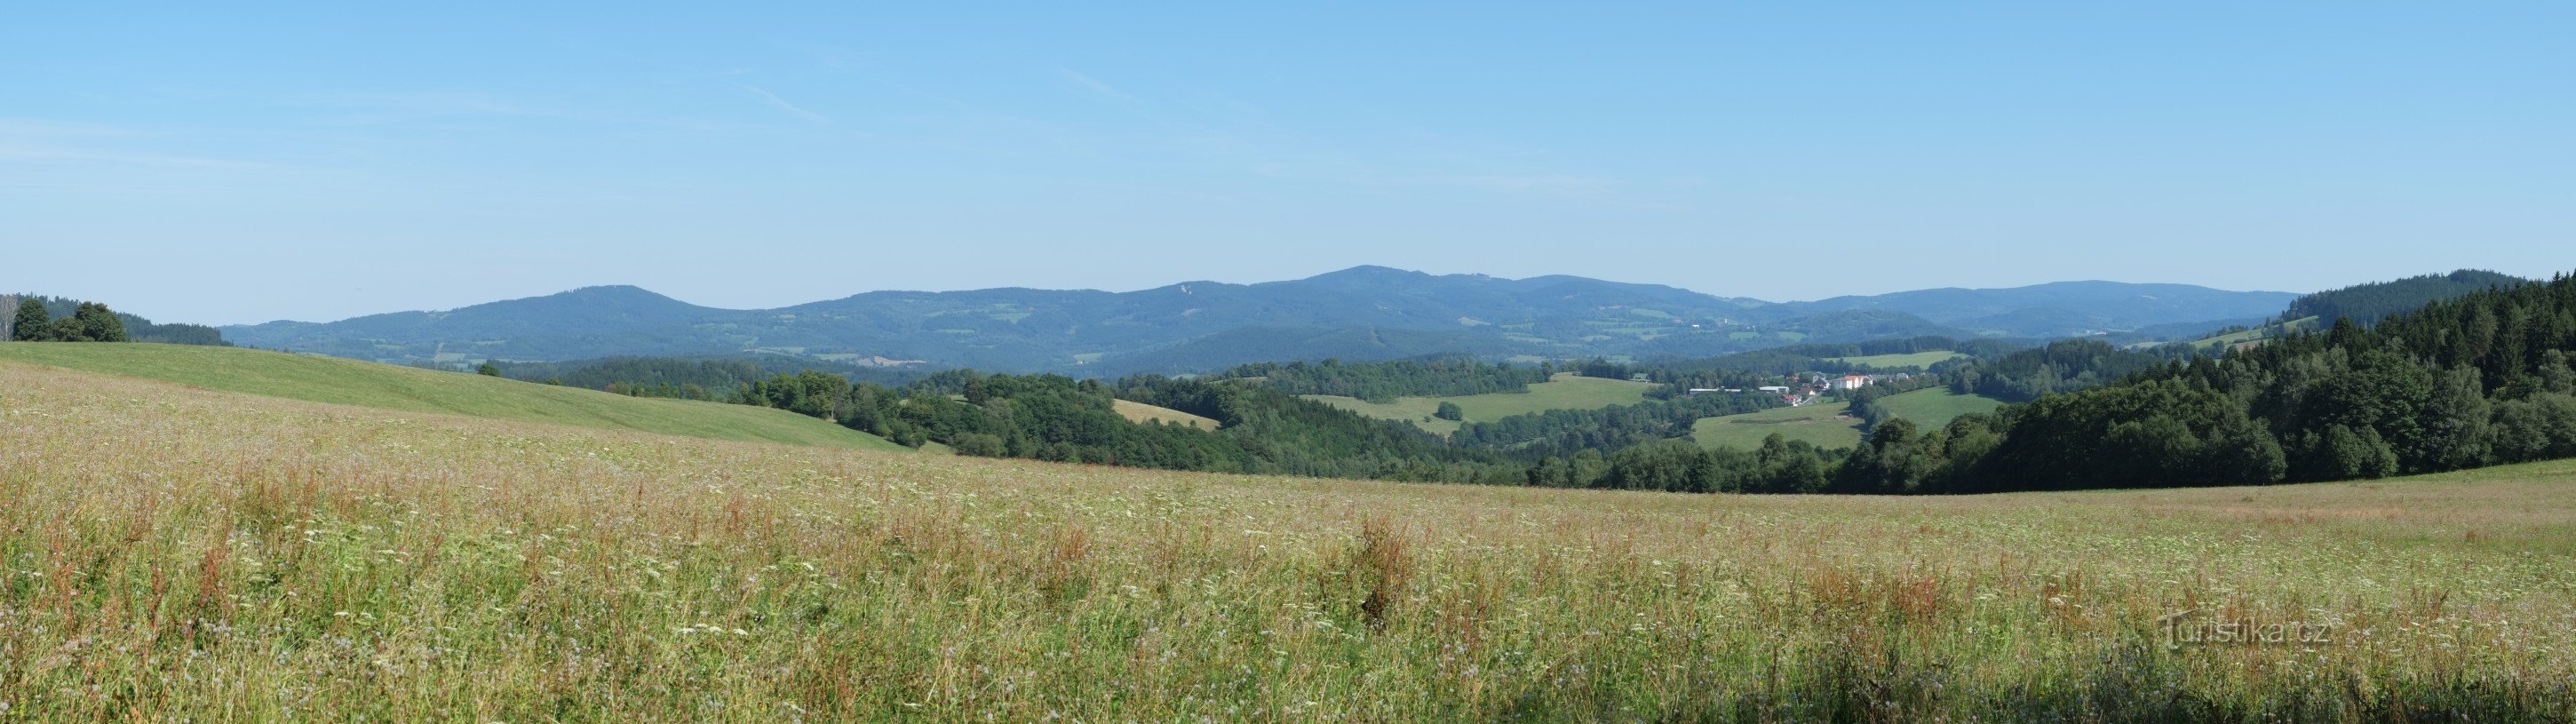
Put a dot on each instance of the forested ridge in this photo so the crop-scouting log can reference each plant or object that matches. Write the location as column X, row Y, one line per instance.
column 2473, row 380
column 2368, row 303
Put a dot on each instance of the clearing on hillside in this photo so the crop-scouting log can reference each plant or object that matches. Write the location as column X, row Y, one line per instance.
column 1823, row 424
column 1141, row 412
column 186, row 553
column 369, row 384
column 1934, row 407
column 1901, row 361
column 1564, row 391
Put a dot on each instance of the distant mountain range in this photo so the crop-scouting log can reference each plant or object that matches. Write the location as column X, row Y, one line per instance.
column 1362, row 313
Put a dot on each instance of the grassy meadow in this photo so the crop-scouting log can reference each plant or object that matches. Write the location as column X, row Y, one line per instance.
column 1934, row 407
column 1823, row 424
column 1565, row 391
column 169, row 552
column 368, row 384
column 1141, row 412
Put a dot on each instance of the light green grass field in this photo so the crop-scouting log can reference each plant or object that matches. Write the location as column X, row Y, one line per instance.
column 1821, row 424
column 369, row 384
column 1894, row 361
column 1141, row 412
column 1565, row 391
column 2301, row 324
column 170, row 553
column 1935, row 407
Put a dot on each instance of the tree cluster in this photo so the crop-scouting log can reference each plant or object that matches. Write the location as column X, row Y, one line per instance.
column 89, row 322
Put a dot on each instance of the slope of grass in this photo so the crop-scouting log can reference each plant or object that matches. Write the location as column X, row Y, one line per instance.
column 367, row 384
column 1141, row 412
column 1896, row 361
column 2294, row 326
column 1935, row 407
column 1823, row 424
column 176, row 553
column 1565, row 391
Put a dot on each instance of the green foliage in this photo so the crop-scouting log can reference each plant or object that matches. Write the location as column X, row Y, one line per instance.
column 1449, row 411
column 1565, row 431
column 92, row 322
column 1384, row 381
column 69, row 324
column 2062, row 366
column 32, row 323
column 2369, row 303
column 488, row 370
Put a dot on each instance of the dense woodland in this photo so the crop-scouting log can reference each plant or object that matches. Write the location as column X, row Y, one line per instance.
column 1439, row 376
column 2368, row 303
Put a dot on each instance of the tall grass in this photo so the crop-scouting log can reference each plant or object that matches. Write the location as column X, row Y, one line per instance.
column 169, row 553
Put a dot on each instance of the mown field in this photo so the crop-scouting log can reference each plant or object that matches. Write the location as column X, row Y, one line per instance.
column 1935, row 407
column 1565, row 391
column 1823, row 424
column 1141, row 412
column 176, row 553
column 1895, row 361
column 368, row 384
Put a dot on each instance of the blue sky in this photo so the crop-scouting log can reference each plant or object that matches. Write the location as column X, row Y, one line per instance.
column 227, row 164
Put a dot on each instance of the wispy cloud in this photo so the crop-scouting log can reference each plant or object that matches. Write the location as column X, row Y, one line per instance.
column 773, row 101
column 1094, row 85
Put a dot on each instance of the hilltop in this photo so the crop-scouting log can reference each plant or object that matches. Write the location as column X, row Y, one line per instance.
column 368, row 384
column 1362, row 313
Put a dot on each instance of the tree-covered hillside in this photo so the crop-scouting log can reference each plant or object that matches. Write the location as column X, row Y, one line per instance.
column 2368, row 303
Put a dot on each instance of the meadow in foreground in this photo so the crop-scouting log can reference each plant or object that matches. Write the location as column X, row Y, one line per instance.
column 171, row 553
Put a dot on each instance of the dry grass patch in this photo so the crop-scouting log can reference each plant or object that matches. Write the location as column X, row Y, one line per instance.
column 172, row 553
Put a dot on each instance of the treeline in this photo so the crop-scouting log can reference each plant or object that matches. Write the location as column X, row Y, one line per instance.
column 56, row 319
column 1798, row 358
column 1568, row 432
column 2062, row 366
column 2369, row 303
column 1052, row 417
column 1441, row 376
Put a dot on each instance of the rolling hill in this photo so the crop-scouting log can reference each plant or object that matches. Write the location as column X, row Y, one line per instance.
column 1363, row 313
column 202, row 554
column 368, row 384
